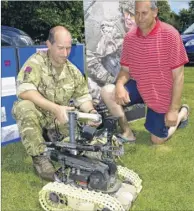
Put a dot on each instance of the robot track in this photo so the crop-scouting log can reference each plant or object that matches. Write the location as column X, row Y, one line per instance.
column 129, row 176
column 57, row 196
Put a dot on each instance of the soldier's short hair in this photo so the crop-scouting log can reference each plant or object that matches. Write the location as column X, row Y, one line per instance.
column 51, row 36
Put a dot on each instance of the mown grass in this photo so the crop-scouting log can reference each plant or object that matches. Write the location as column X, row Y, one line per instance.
column 167, row 171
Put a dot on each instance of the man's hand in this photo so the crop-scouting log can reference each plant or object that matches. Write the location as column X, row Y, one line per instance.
column 121, row 95
column 91, row 123
column 171, row 118
column 61, row 113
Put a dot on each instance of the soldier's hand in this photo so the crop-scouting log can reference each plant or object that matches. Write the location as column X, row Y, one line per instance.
column 121, row 95
column 61, row 113
column 91, row 123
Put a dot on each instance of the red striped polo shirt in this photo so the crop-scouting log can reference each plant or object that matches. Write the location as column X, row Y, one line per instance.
column 151, row 60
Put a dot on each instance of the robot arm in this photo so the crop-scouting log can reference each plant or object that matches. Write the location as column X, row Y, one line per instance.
column 89, row 117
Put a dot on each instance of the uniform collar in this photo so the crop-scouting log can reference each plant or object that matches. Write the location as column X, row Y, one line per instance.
column 52, row 70
column 64, row 71
column 47, row 67
column 152, row 32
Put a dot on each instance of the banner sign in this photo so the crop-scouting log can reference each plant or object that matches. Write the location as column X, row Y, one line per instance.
column 106, row 23
column 9, row 69
column 11, row 59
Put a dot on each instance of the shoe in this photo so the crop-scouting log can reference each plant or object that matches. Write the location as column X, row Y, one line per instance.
column 43, row 167
column 184, row 123
column 124, row 139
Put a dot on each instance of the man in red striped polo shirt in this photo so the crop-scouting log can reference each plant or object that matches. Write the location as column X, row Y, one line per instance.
column 154, row 56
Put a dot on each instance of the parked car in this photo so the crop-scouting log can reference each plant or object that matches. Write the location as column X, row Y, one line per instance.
column 188, row 40
column 11, row 36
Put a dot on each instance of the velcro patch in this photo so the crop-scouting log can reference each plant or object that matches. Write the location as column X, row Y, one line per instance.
column 28, row 69
column 27, row 72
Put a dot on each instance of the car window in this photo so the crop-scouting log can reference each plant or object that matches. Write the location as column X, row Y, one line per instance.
column 189, row 30
column 5, row 39
column 3, row 43
column 15, row 37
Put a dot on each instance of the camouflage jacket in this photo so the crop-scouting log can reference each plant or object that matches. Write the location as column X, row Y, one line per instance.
column 39, row 74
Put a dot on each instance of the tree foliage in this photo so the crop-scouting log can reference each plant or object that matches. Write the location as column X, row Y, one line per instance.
column 180, row 21
column 37, row 17
column 187, row 16
column 164, row 11
column 165, row 14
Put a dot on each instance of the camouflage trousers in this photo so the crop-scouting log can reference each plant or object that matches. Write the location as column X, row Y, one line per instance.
column 30, row 122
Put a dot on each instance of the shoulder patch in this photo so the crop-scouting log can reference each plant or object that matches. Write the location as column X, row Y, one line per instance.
column 28, row 69
column 27, row 72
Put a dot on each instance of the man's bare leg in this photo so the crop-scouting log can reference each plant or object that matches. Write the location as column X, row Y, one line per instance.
column 183, row 115
column 108, row 96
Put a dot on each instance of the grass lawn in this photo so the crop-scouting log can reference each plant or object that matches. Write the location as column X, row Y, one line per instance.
column 167, row 171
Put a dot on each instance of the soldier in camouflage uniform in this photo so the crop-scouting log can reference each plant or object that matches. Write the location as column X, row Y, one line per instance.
column 103, row 65
column 45, row 85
